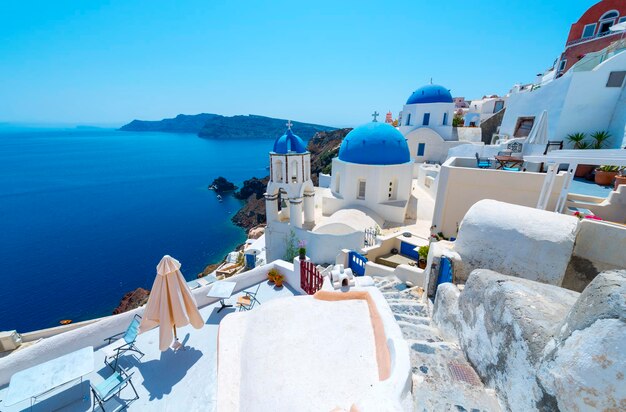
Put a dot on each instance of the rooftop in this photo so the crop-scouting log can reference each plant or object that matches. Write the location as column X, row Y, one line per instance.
column 184, row 380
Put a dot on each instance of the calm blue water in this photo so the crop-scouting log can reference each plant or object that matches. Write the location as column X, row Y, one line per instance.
column 85, row 216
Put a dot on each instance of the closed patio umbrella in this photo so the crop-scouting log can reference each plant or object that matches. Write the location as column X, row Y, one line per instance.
column 539, row 132
column 170, row 304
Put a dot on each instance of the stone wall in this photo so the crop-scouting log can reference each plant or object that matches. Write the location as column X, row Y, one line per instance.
column 543, row 348
column 490, row 126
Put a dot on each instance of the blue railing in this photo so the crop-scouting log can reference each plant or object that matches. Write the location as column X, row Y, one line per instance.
column 357, row 262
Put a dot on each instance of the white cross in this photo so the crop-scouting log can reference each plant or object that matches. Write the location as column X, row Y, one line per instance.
column 289, row 124
column 375, row 115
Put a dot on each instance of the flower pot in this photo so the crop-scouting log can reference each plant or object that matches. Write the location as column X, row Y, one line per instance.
column 604, row 178
column 583, row 170
column 421, row 263
column 619, row 180
column 302, row 256
column 279, row 283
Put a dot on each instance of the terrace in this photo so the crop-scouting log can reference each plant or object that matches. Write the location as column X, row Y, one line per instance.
column 182, row 380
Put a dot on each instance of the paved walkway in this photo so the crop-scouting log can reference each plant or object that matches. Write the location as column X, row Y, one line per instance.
column 443, row 379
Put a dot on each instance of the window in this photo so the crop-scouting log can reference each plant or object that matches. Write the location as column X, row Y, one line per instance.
column 361, row 194
column 616, row 79
column 499, row 105
column 445, row 119
column 610, row 15
column 408, row 119
column 337, row 181
column 604, row 27
column 589, row 30
column 524, row 125
column 421, row 147
column 426, row 119
column 562, row 65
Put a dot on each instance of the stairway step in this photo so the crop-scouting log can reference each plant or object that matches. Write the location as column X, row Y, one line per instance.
column 412, row 319
column 411, row 308
column 425, row 333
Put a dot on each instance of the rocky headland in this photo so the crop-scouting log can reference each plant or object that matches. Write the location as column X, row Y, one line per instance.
column 216, row 126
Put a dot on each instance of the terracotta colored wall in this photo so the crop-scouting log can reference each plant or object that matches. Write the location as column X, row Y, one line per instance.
column 593, row 15
column 574, row 53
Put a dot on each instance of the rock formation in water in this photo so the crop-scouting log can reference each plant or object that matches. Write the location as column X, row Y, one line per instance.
column 132, row 300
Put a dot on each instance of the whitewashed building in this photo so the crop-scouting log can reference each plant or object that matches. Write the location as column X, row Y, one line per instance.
column 589, row 97
column 373, row 171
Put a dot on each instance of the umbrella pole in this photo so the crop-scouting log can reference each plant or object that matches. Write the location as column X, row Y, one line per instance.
column 176, row 345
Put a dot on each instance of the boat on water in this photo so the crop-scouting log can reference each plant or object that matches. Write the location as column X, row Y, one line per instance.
column 219, row 198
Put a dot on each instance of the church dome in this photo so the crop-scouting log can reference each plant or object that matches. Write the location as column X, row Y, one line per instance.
column 430, row 93
column 289, row 143
column 375, row 144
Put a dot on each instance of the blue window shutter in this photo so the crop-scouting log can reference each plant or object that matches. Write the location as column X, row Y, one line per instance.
column 426, row 119
column 420, row 149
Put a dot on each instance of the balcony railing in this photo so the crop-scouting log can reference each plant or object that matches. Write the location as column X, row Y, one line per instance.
column 587, row 39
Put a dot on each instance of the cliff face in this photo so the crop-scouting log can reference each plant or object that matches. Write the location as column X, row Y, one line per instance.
column 253, row 212
column 323, row 147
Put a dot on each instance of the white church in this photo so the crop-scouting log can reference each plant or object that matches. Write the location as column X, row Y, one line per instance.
column 371, row 182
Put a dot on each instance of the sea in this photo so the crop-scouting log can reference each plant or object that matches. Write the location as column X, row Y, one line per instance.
column 86, row 215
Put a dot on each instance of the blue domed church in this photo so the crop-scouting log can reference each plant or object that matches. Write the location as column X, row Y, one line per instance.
column 426, row 123
column 373, row 171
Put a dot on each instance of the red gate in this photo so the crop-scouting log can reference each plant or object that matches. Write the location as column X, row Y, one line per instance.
column 310, row 278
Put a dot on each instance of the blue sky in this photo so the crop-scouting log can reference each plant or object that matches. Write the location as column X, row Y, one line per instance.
column 328, row 62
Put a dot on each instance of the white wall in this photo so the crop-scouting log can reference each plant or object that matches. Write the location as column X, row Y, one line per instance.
column 378, row 179
column 577, row 102
column 436, row 111
column 435, row 147
column 324, row 180
column 460, row 187
column 320, row 247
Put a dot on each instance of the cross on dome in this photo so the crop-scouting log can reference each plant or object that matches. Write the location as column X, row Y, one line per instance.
column 375, row 115
column 289, row 124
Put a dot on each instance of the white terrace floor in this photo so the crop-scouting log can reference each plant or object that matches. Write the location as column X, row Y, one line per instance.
column 165, row 381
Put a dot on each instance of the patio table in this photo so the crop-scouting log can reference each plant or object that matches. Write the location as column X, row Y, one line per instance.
column 41, row 379
column 223, row 290
column 508, row 161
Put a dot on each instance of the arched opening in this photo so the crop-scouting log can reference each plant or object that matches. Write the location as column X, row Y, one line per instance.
column 278, row 171
column 606, row 21
column 408, row 119
column 294, row 171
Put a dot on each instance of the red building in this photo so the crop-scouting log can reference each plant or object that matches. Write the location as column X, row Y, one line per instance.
column 591, row 32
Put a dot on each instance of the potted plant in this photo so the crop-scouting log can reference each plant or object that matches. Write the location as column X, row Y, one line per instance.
column 599, row 139
column 605, row 174
column 302, row 249
column 423, row 254
column 620, row 179
column 278, row 280
column 272, row 274
column 578, row 141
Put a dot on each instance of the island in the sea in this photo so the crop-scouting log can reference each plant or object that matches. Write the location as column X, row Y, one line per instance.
column 216, row 126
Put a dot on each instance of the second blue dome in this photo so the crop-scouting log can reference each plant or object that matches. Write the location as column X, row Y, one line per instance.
column 430, row 93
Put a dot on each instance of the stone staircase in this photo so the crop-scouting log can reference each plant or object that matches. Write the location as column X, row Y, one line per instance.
column 443, row 380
